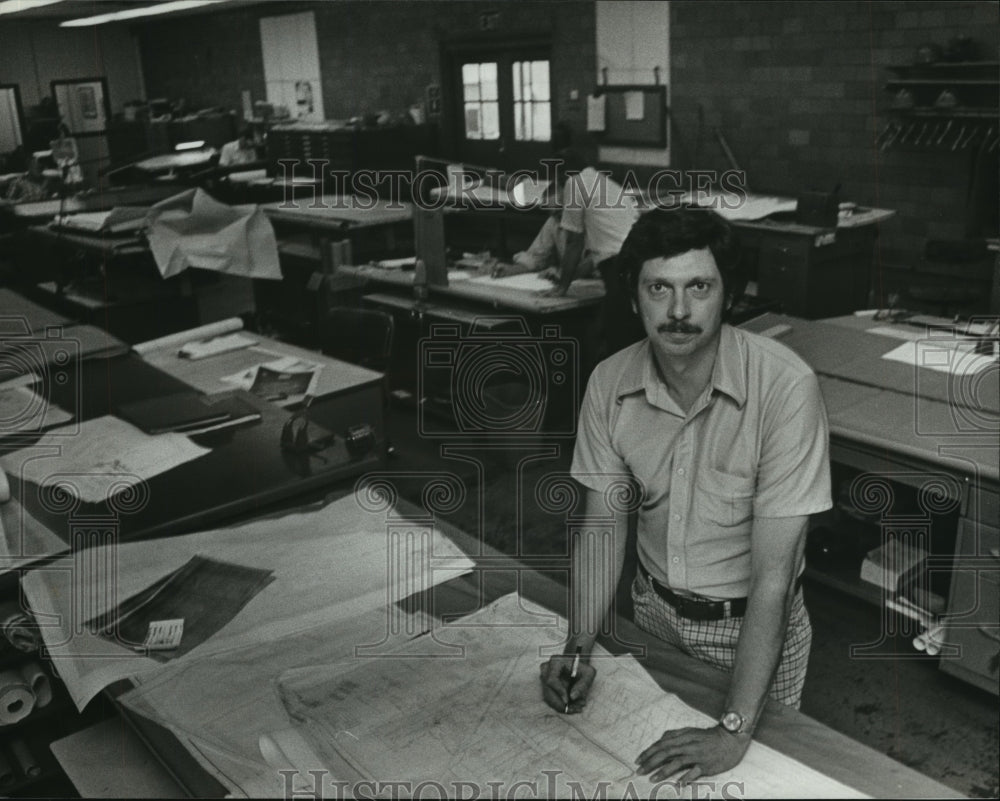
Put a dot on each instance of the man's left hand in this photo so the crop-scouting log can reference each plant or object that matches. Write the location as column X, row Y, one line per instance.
column 698, row 752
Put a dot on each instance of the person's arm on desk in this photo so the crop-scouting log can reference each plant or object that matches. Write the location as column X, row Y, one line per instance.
column 589, row 605
column 569, row 264
column 777, row 548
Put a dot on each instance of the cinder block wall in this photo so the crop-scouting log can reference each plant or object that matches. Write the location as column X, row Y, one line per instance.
column 798, row 89
column 373, row 55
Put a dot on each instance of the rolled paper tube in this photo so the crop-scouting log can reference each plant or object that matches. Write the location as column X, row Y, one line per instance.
column 25, row 759
column 191, row 335
column 38, row 680
column 18, row 628
column 16, row 698
column 6, row 771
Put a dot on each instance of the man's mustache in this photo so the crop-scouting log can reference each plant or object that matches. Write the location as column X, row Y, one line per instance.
column 678, row 327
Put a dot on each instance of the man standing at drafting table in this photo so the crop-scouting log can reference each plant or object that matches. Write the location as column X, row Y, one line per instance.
column 726, row 434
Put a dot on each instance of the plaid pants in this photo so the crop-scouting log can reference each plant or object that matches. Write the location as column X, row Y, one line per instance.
column 715, row 641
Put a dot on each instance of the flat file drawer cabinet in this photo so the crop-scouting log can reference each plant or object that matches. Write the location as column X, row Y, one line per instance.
column 973, row 612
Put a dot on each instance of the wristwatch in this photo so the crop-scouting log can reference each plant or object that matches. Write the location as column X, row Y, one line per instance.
column 733, row 722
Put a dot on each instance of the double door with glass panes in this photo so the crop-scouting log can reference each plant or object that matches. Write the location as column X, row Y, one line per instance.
column 503, row 104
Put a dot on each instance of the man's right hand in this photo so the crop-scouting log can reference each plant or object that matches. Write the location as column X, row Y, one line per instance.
column 560, row 691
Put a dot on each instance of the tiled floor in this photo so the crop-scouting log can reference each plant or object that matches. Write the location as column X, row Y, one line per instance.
column 905, row 707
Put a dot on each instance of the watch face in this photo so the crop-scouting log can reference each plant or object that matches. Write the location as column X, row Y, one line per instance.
column 732, row 721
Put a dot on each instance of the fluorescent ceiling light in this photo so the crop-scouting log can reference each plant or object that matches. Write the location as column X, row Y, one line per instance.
column 14, row 6
column 133, row 13
column 195, row 145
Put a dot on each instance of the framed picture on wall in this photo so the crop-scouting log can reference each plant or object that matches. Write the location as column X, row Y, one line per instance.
column 83, row 105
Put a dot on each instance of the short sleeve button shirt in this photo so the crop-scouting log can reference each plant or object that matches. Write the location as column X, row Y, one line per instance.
column 755, row 445
column 599, row 208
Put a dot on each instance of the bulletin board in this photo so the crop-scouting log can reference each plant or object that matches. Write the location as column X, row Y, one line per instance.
column 623, row 128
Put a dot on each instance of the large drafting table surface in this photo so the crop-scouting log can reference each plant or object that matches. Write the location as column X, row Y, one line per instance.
column 43, row 210
column 465, row 696
column 510, row 293
column 219, row 373
column 233, row 470
column 896, row 408
column 339, row 212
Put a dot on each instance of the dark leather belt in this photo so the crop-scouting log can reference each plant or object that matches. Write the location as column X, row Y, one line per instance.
column 700, row 608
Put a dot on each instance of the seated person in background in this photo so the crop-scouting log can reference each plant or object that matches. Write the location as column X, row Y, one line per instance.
column 239, row 151
column 596, row 217
column 546, row 252
column 33, row 185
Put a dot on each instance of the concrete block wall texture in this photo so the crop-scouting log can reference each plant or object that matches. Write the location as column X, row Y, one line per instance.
column 798, row 89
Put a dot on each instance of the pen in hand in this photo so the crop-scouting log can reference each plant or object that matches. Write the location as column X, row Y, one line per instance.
column 572, row 676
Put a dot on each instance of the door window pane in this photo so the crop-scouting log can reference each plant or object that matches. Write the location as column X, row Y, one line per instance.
column 479, row 99
column 532, row 104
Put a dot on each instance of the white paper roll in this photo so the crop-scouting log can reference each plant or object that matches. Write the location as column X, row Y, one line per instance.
column 38, row 680
column 192, row 334
column 16, row 698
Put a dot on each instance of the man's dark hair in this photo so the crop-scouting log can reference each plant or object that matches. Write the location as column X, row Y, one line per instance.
column 664, row 233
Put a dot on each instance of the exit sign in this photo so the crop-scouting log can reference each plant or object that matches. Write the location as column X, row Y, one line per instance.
column 489, row 21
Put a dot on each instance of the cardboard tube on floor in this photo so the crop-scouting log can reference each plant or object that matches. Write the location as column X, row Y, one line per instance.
column 25, row 759
column 38, row 680
column 16, row 698
column 6, row 770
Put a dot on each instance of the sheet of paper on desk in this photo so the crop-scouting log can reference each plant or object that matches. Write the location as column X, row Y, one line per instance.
column 943, row 357
column 330, row 564
column 22, row 409
column 527, row 282
column 221, row 705
column 103, row 455
column 480, row 718
column 741, row 206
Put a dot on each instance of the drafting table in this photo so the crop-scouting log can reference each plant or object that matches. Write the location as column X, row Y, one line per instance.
column 246, row 468
column 100, row 200
column 36, row 318
column 703, row 687
column 341, row 391
column 375, row 228
column 110, row 281
column 926, row 429
column 182, row 161
column 492, row 294
column 338, row 213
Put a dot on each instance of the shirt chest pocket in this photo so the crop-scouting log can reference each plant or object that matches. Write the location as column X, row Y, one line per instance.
column 724, row 499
